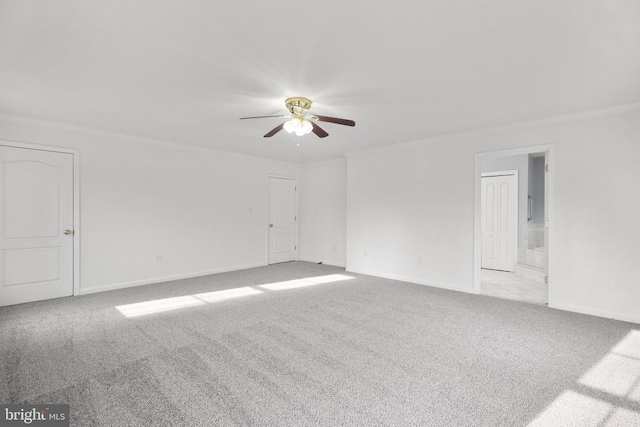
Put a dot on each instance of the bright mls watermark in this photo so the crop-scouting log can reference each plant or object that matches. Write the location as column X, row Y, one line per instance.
column 34, row 415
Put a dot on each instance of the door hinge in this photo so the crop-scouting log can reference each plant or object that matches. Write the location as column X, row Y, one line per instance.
column 296, row 188
column 295, row 248
column 546, row 279
column 546, row 168
column 295, row 218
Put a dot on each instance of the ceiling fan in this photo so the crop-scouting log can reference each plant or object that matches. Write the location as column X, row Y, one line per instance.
column 300, row 123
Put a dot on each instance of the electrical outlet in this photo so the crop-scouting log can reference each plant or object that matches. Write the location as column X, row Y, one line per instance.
column 159, row 259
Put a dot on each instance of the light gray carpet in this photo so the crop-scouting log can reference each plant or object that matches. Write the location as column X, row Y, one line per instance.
column 366, row 351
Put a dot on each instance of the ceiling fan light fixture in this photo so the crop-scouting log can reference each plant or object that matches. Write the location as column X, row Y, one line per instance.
column 290, row 125
column 300, row 127
column 305, row 128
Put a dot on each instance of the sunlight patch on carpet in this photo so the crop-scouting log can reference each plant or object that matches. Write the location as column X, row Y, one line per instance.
column 158, row 305
column 227, row 294
column 618, row 372
column 308, row 281
column 607, row 394
column 168, row 304
column 573, row 408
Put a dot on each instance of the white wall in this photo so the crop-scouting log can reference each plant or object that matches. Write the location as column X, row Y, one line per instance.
column 416, row 201
column 521, row 164
column 202, row 211
column 323, row 212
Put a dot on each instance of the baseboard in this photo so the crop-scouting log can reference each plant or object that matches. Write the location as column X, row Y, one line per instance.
column 124, row 285
column 633, row 318
column 317, row 261
column 414, row 280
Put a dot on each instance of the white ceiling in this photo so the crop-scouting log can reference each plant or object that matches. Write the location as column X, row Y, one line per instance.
column 185, row 71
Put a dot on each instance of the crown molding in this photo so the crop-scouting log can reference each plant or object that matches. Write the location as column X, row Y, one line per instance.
column 66, row 127
column 510, row 127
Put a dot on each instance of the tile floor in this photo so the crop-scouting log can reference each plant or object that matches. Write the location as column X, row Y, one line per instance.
column 503, row 284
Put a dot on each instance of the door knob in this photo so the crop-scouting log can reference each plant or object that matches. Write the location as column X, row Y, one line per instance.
column 270, row 225
column 67, row 232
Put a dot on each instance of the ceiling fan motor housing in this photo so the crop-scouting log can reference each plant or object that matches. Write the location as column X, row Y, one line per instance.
column 298, row 106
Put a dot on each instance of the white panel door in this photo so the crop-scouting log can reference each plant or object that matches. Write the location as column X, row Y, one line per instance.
column 36, row 207
column 282, row 220
column 499, row 213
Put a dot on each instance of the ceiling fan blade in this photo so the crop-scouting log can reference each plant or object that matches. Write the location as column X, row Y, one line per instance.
column 336, row 120
column 260, row 117
column 318, row 130
column 274, row 131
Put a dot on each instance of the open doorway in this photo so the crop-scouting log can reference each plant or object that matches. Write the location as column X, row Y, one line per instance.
column 512, row 224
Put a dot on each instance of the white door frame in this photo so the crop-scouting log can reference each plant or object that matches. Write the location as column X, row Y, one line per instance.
column 266, row 221
column 76, row 199
column 517, row 210
column 550, row 190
